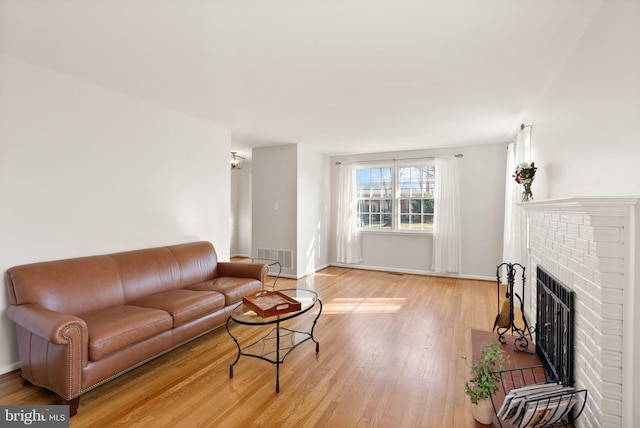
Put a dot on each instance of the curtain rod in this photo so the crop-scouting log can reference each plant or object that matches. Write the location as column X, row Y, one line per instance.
column 457, row 155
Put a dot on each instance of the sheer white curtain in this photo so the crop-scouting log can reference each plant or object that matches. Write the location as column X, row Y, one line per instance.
column 513, row 249
column 347, row 234
column 513, row 241
column 447, row 246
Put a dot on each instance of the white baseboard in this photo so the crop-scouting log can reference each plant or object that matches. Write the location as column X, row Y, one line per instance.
column 291, row 276
column 244, row 256
column 9, row 368
column 316, row 269
column 414, row 272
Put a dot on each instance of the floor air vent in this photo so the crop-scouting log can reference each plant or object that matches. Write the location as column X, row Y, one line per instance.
column 285, row 257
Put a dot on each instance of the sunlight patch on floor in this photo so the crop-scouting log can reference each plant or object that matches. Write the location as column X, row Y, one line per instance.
column 320, row 273
column 363, row 305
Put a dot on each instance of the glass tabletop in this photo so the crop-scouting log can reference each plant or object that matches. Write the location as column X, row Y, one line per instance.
column 307, row 298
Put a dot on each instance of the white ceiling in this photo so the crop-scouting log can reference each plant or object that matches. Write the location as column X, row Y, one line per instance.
column 342, row 76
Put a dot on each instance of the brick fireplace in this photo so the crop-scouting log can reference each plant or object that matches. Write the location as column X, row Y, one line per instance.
column 589, row 244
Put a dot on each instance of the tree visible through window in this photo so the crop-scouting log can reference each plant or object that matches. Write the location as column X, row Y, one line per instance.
column 416, row 185
column 396, row 197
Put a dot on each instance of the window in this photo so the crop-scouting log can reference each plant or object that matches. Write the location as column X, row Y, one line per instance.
column 396, row 197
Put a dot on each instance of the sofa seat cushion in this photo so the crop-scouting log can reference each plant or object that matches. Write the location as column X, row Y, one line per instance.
column 183, row 305
column 233, row 288
column 112, row 329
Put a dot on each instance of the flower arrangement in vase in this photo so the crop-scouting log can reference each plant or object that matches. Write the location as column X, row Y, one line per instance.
column 524, row 175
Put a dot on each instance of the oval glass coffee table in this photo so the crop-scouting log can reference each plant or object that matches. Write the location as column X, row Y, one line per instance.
column 280, row 341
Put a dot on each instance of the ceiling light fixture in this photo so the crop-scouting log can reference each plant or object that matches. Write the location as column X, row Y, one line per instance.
column 237, row 162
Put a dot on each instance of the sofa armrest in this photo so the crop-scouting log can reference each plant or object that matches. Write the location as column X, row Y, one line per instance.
column 257, row 271
column 50, row 325
column 53, row 348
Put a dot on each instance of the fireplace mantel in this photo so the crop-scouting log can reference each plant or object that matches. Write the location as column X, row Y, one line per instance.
column 600, row 205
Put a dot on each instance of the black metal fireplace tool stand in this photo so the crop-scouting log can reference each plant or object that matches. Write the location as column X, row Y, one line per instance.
column 506, row 315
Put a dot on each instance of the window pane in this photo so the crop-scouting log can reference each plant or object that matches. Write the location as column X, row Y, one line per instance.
column 427, row 206
column 374, row 190
column 416, row 181
column 422, row 222
column 427, row 222
column 416, row 205
column 404, row 206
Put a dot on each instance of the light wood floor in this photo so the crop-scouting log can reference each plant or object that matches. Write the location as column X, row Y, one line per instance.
column 390, row 348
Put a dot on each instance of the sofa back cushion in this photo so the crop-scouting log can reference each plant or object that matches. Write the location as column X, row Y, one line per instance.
column 156, row 270
column 198, row 262
column 146, row 272
column 71, row 286
column 84, row 284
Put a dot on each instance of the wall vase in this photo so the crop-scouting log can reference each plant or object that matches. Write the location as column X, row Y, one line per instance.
column 527, row 195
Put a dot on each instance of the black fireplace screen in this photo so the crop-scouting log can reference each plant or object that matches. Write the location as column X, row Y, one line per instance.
column 554, row 333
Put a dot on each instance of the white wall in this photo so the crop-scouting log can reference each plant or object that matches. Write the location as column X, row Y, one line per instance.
column 313, row 211
column 585, row 136
column 633, row 413
column 84, row 170
column 290, row 205
column 274, row 200
column 241, row 211
column 482, row 171
column 234, row 201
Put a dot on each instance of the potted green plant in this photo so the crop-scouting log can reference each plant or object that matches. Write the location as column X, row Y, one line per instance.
column 485, row 380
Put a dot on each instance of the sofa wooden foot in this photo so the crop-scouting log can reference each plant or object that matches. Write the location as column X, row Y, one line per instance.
column 73, row 406
column 24, row 381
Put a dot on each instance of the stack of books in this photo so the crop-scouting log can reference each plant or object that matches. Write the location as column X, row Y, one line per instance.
column 537, row 405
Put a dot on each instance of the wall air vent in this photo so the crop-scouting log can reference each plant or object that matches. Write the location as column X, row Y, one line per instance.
column 285, row 257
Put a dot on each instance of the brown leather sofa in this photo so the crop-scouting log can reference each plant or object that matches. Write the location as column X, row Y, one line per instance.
column 84, row 321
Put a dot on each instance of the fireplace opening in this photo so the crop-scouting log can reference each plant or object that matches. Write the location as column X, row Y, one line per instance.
column 555, row 327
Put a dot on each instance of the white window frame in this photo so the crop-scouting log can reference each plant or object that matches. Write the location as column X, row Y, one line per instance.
column 395, row 195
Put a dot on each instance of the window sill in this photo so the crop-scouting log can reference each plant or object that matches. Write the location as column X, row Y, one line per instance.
column 397, row 232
